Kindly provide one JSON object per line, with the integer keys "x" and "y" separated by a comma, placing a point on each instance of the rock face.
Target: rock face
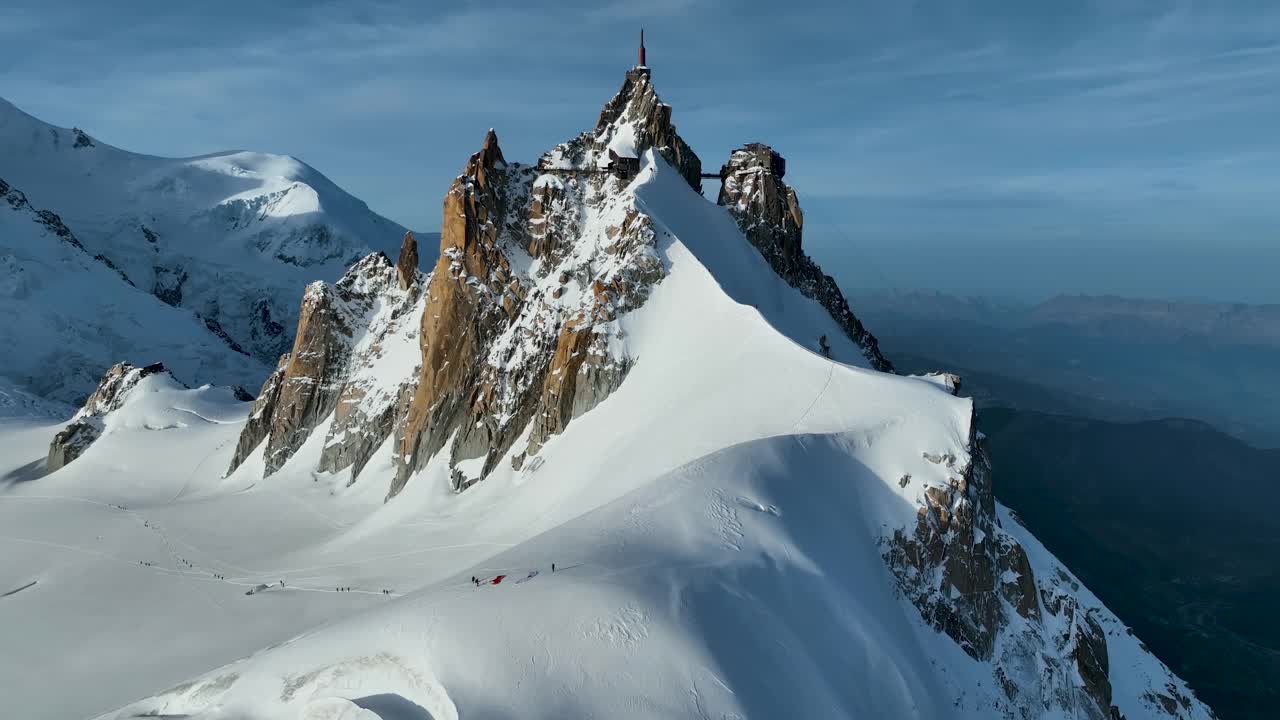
{"x": 346, "y": 334}
{"x": 71, "y": 442}
{"x": 971, "y": 579}
{"x": 636, "y": 119}
{"x": 768, "y": 212}
{"x": 471, "y": 298}
{"x": 512, "y": 327}
{"x": 534, "y": 268}
{"x": 87, "y": 425}
{"x": 407, "y": 265}
{"x": 258, "y": 427}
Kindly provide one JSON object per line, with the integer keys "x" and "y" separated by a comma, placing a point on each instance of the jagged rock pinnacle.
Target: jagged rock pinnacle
{"x": 407, "y": 263}
{"x": 490, "y": 153}
{"x": 637, "y": 110}
{"x": 768, "y": 212}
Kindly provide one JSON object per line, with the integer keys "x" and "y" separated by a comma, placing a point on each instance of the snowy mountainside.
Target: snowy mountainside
{"x": 65, "y": 316}
{"x": 661, "y": 444}
{"x": 357, "y": 341}
{"x": 520, "y": 334}
{"x": 233, "y": 237}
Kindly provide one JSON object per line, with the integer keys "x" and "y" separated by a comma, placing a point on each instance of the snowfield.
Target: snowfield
{"x": 716, "y": 525}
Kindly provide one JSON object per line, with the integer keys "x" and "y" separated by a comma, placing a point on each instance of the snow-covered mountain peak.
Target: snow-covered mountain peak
{"x": 537, "y": 267}
{"x": 232, "y": 237}
{"x": 660, "y": 395}
{"x": 67, "y": 314}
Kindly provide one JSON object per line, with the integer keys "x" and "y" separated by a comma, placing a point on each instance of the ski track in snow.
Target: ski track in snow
{"x": 831, "y": 369}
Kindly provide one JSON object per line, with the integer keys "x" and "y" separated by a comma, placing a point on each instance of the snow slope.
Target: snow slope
{"x": 717, "y": 525}
{"x": 232, "y": 237}
{"x": 65, "y": 317}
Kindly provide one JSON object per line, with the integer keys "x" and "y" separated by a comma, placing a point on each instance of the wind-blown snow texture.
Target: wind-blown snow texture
{"x": 230, "y": 238}
{"x": 726, "y": 526}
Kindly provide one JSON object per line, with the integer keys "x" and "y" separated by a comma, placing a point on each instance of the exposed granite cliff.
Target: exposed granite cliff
{"x": 972, "y": 580}
{"x": 332, "y": 371}
{"x": 535, "y": 264}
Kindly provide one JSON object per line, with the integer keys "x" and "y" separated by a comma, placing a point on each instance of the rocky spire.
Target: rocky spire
{"x": 638, "y": 119}
{"x": 340, "y": 329}
{"x": 407, "y": 264}
{"x": 768, "y": 212}
{"x": 470, "y": 298}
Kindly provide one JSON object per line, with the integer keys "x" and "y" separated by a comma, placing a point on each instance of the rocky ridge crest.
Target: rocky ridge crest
{"x": 344, "y": 365}
{"x": 87, "y": 424}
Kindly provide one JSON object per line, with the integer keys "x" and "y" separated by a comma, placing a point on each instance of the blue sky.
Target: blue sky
{"x": 1003, "y": 147}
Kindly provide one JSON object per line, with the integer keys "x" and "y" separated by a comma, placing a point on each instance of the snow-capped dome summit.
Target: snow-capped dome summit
{"x": 231, "y": 237}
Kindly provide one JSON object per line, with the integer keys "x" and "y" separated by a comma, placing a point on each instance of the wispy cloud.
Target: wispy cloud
{"x": 998, "y": 118}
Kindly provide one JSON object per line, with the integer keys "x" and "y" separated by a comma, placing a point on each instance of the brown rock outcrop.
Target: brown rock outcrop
{"x": 768, "y": 213}
{"x": 71, "y": 442}
{"x": 581, "y": 374}
{"x": 312, "y": 376}
{"x": 87, "y": 425}
{"x": 328, "y": 371}
{"x": 503, "y": 348}
{"x": 407, "y": 263}
{"x": 972, "y": 580}
{"x": 638, "y": 107}
{"x": 952, "y": 541}
{"x": 465, "y": 306}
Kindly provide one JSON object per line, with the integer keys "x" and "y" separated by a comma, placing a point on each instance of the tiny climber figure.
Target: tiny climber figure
{"x": 553, "y": 567}
{"x": 823, "y": 347}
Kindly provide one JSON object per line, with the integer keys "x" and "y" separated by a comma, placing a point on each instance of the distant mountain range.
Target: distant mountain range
{"x": 1137, "y": 320}
{"x": 1107, "y": 357}
{"x": 1237, "y": 324}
